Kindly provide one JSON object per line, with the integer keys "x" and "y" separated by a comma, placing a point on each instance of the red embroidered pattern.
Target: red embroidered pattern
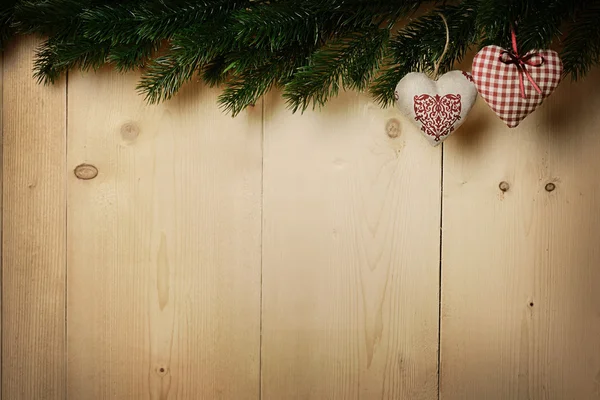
{"x": 437, "y": 114}
{"x": 468, "y": 76}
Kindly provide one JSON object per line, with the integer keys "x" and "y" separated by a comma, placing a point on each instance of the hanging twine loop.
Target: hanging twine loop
{"x": 521, "y": 62}
{"x": 439, "y": 61}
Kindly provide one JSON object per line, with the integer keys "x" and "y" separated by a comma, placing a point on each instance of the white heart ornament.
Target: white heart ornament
{"x": 437, "y": 108}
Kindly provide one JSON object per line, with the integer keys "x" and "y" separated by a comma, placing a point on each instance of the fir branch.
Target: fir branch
{"x": 275, "y": 25}
{"x": 48, "y": 17}
{"x": 495, "y": 19}
{"x": 582, "y": 45}
{"x": 165, "y": 76}
{"x": 151, "y": 21}
{"x": 66, "y": 48}
{"x": 541, "y": 24}
{"x": 127, "y": 57}
{"x": 58, "y": 55}
{"x": 349, "y": 62}
{"x": 312, "y": 22}
{"x": 383, "y": 13}
{"x": 6, "y": 20}
{"x": 246, "y": 88}
{"x": 190, "y": 51}
{"x": 384, "y": 84}
{"x": 215, "y": 71}
{"x": 312, "y": 48}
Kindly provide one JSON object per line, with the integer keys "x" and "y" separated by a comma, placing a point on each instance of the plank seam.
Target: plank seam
{"x": 439, "y": 354}
{"x": 262, "y": 205}
{"x": 66, "y": 194}
{"x": 2, "y": 225}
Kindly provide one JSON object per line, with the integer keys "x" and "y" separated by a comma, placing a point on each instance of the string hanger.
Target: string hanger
{"x": 521, "y": 62}
{"x": 439, "y": 61}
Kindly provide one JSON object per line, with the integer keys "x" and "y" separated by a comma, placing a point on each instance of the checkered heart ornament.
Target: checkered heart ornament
{"x": 514, "y": 85}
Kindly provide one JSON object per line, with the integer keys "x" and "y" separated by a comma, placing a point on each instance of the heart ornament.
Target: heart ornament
{"x": 439, "y": 107}
{"x": 512, "y": 85}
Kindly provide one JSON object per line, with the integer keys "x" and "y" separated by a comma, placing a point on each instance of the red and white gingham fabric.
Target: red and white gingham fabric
{"x": 498, "y": 83}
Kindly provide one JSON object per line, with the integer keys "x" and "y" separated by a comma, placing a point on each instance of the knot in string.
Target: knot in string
{"x": 521, "y": 62}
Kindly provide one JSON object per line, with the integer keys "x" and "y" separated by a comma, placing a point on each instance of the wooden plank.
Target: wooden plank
{"x": 1, "y": 188}
{"x": 521, "y": 305}
{"x": 163, "y": 245}
{"x": 33, "y": 227}
{"x": 350, "y": 254}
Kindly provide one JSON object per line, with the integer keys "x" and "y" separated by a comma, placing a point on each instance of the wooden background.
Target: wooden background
{"x": 334, "y": 255}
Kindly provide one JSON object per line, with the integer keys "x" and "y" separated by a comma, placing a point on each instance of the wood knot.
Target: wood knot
{"x": 550, "y": 187}
{"x": 162, "y": 371}
{"x": 86, "y": 172}
{"x": 392, "y": 128}
{"x": 504, "y": 186}
{"x": 130, "y": 131}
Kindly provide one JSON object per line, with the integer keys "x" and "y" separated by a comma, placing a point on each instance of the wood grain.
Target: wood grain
{"x": 521, "y": 276}
{"x": 1, "y": 187}
{"x": 350, "y": 254}
{"x": 33, "y": 230}
{"x": 163, "y": 245}
{"x": 152, "y": 215}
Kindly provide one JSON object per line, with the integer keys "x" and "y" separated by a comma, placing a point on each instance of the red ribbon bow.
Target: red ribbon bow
{"x": 521, "y": 62}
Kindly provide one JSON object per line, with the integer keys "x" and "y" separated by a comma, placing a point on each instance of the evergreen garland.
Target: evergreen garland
{"x": 309, "y": 48}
